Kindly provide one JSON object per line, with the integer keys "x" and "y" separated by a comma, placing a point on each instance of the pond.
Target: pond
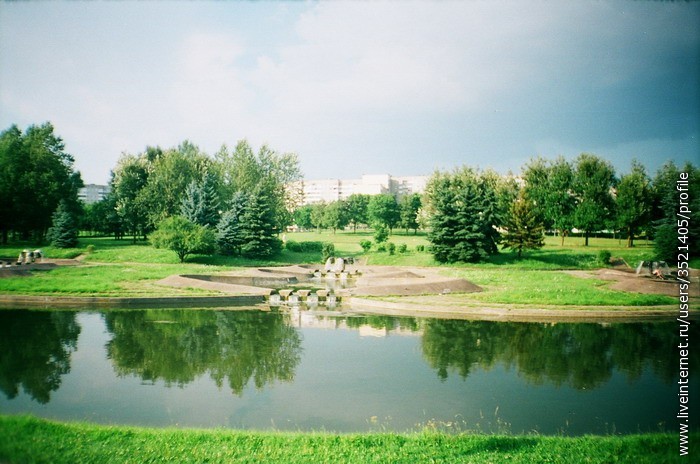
{"x": 297, "y": 370}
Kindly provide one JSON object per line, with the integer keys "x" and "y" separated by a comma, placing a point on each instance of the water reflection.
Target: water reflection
{"x": 177, "y": 346}
{"x": 236, "y": 348}
{"x": 579, "y": 355}
{"x": 35, "y": 350}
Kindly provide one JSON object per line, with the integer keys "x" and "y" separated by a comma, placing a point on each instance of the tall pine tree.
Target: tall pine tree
{"x": 464, "y": 216}
{"x": 229, "y": 235}
{"x": 524, "y": 230}
{"x": 64, "y": 230}
{"x": 259, "y": 225}
{"x": 201, "y": 202}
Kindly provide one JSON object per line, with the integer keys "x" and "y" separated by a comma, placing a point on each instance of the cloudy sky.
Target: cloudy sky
{"x": 359, "y": 87}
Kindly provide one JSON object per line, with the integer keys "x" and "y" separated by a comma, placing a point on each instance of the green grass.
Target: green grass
{"x": 550, "y": 288}
{"x": 27, "y": 439}
{"x": 123, "y": 268}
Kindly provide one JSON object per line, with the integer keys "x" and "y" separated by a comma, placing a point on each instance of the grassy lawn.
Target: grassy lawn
{"x": 123, "y": 268}
{"x": 26, "y": 439}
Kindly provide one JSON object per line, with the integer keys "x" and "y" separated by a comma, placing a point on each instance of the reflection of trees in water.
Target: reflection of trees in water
{"x": 177, "y": 346}
{"x": 35, "y": 350}
{"x": 383, "y": 322}
{"x": 580, "y": 355}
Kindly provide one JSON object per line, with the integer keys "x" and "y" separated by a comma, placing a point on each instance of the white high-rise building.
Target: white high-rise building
{"x": 92, "y": 193}
{"x": 329, "y": 190}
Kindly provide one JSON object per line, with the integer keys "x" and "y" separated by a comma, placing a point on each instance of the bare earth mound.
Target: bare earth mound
{"x": 390, "y": 281}
{"x": 628, "y": 281}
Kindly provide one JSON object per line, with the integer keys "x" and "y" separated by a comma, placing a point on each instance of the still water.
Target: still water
{"x": 303, "y": 371}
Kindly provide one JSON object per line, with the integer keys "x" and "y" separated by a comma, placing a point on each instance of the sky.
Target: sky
{"x": 358, "y": 87}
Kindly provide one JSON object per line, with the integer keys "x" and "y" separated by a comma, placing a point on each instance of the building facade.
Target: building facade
{"x": 329, "y": 190}
{"x": 92, "y": 193}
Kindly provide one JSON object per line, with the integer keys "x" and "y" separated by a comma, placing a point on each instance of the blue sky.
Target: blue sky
{"x": 359, "y": 87}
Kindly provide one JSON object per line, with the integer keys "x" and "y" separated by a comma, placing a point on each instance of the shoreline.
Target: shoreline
{"x": 358, "y": 306}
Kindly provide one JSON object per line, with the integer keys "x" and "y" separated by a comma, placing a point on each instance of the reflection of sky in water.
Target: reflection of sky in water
{"x": 353, "y": 379}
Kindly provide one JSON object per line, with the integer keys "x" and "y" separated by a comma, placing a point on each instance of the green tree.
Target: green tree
{"x": 278, "y": 173}
{"x": 184, "y": 237}
{"x": 666, "y": 201}
{"x": 36, "y": 174}
{"x": 381, "y": 233}
{"x": 318, "y": 216}
{"x": 129, "y": 180}
{"x": 335, "y": 215}
{"x": 64, "y": 230}
{"x": 409, "y": 208}
{"x": 201, "y": 202}
{"x": 259, "y": 226}
{"x": 383, "y": 209}
{"x": 169, "y": 175}
{"x": 594, "y": 179}
{"x": 524, "y": 229}
{"x": 302, "y": 217}
{"x": 357, "y": 204}
{"x": 633, "y": 202}
{"x": 463, "y": 216}
{"x": 549, "y": 186}
{"x": 229, "y": 235}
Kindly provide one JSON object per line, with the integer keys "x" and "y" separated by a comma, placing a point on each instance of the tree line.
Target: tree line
{"x": 239, "y": 200}
{"x": 471, "y": 212}
{"x": 36, "y": 176}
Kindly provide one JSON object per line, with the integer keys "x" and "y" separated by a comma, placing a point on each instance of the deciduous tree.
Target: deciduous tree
{"x": 594, "y": 179}
{"x": 184, "y": 237}
{"x": 633, "y": 202}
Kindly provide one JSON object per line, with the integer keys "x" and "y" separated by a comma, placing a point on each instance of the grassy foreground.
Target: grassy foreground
{"x": 27, "y": 439}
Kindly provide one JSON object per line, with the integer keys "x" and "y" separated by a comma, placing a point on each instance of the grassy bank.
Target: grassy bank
{"x": 27, "y": 439}
{"x": 122, "y": 268}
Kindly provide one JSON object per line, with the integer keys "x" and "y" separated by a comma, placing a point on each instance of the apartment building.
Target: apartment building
{"x": 328, "y": 190}
{"x": 92, "y": 193}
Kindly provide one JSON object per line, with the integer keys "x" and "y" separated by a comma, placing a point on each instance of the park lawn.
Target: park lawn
{"x": 541, "y": 288}
{"x": 124, "y": 268}
{"x": 28, "y": 439}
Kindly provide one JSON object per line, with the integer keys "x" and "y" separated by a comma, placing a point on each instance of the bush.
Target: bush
{"x": 184, "y": 237}
{"x": 381, "y": 234}
{"x": 366, "y": 245}
{"x": 328, "y": 251}
{"x": 420, "y": 248}
{"x": 403, "y": 248}
{"x": 294, "y": 247}
{"x": 381, "y": 248}
{"x": 604, "y": 257}
{"x": 304, "y": 247}
{"x": 392, "y": 248}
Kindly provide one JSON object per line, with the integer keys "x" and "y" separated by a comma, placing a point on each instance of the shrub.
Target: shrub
{"x": 420, "y": 248}
{"x": 366, "y": 245}
{"x": 184, "y": 237}
{"x": 294, "y": 247}
{"x": 328, "y": 251}
{"x": 392, "y": 248}
{"x": 604, "y": 257}
{"x": 403, "y": 248}
{"x": 311, "y": 247}
{"x": 381, "y": 234}
{"x": 304, "y": 247}
{"x": 381, "y": 248}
